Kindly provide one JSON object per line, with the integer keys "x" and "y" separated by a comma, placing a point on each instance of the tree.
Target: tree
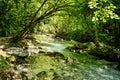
{"x": 47, "y": 9}
{"x": 103, "y": 12}
{"x": 13, "y": 14}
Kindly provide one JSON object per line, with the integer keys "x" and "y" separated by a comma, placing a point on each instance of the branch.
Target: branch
{"x": 38, "y": 10}
{"x": 54, "y": 10}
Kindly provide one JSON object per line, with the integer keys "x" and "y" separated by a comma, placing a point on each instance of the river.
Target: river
{"x": 70, "y": 66}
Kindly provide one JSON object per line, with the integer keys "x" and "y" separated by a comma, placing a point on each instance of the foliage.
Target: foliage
{"x": 4, "y": 64}
{"x": 6, "y": 67}
{"x": 69, "y": 19}
{"x": 48, "y": 9}
{"x": 71, "y": 27}
{"x": 103, "y": 10}
{"x": 14, "y": 14}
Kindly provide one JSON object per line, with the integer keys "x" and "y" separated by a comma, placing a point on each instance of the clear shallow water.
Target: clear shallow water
{"x": 52, "y": 45}
{"x": 81, "y": 66}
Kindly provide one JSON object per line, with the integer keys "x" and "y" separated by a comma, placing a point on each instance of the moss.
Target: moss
{"x": 108, "y": 53}
{"x": 42, "y": 63}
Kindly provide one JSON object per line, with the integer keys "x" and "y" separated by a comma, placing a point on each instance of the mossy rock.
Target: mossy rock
{"x": 17, "y": 51}
{"x": 108, "y": 53}
{"x": 77, "y": 47}
{"x": 41, "y": 63}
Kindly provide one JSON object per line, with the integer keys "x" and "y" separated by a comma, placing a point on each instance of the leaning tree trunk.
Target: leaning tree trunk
{"x": 23, "y": 33}
{"x": 32, "y": 23}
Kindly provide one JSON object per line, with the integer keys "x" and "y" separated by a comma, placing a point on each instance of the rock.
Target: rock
{"x": 107, "y": 52}
{"x": 70, "y": 60}
{"x": 17, "y": 51}
{"x": 32, "y": 49}
{"x": 83, "y": 45}
{"x": 36, "y": 42}
{"x": 3, "y": 53}
{"x": 42, "y": 51}
{"x": 40, "y": 47}
{"x": 53, "y": 54}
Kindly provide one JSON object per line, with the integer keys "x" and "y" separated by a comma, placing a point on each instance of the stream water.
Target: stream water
{"x": 74, "y": 66}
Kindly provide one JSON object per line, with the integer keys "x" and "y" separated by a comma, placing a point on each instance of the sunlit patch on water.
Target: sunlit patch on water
{"x": 54, "y": 46}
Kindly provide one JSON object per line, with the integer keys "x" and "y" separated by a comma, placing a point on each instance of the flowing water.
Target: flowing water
{"x": 74, "y": 66}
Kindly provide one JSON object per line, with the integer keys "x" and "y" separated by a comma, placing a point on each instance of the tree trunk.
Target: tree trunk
{"x": 24, "y": 32}
{"x": 32, "y": 23}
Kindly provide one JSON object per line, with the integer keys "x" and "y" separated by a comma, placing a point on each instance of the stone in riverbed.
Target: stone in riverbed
{"x": 17, "y": 51}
